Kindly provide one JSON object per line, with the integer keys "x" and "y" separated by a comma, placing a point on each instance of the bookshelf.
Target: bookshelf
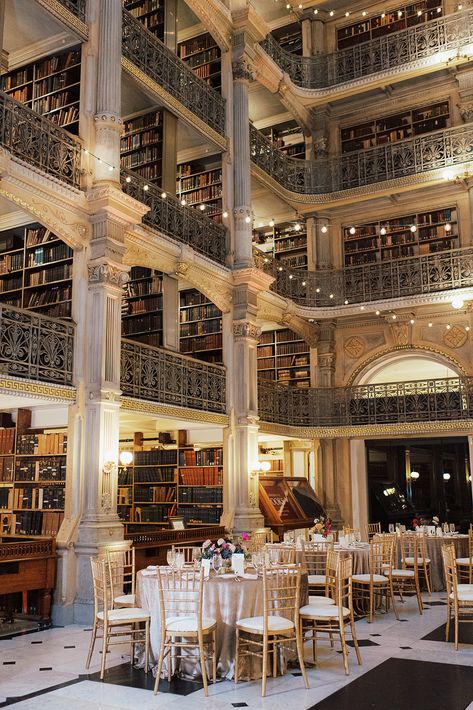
{"x": 36, "y": 271}
{"x": 141, "y": 145}
{"x": 49, "y": 86}
{"x": 150, "y": 13}
{"x": 396, "y": 127}
{"x": 200, "y": 327}
{"x": 284, "y": 357}
{"x": 289, "y": 37}
{"x": 285, "y": 243}
{"x": 142, "y": 306}
{"x": 176, "y": 480}
{"x": 399, "y": 18}
{"x": 384, "y": 240}
{"x": 32, "y": 477}
{"x": 202, "y": 54}
{"x": 199, "y": 184}
{"x": 288, "y": 137}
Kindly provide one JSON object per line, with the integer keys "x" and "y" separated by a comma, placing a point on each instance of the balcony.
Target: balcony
{"x": 166, "y": 377}
{"x": 426, "y": 44}
{"x": 184, "y": 224}
{"x": 39, "y": 142}
{"x": 408, "y": 276}
{"x": 155, "y": 60}
{"x": 35, "y": 347}
{"x": 432, "y": 151}
{"x": 364, "y": 405}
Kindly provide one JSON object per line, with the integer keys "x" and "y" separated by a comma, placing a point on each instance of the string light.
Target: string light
{"x": 247, "y": 219}
{"x": 346, "y": 302}
{"x": 331, "y": 13}
{"x": 383, "y": 231}
{"x": 448, "y": 326}
{"x": 377, "y": 313}
{"x": 412, "y": 321}
{"x": 225, "y": 215}
{"x": 413, "y": 228}
{"x": 394, "y": 316}
{"x": 316, "y": 11}
{"x": 163, "y": 195}
{"x": 430, "y": 325}
{"x": 448, "y": 227}
{"x": 128, "y": 178}
{"x": 362, "y": 308}
{"x": 183, "y": 202}
{"x": 352, "y": 230}
{"x": 297, "y": 227}
{"x": 146, "y": 188}
{"x": 271, "y": 222}
{"x": 324, "y": 229}
{"x": 467, "y": 328}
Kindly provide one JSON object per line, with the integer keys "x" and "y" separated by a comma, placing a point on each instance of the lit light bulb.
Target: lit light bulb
{"x": 413, "y": 228}
{"x": 163, "y": 195}
{"x": 419, "y": 13}
{"x": 364, "y": 13}
{"x": 377, "y": 313}
{"x": 225, "y": 215}
{"x": 467, "y": 328}
{"x": 291, "y": 277}
{"x": 316, "y": 11}
{"x": 280, "y": 268}
{"x": 457, "y": 302}
{"x": 448, "y": 326}
{"x": 183, "y": 202}
{"x": 247, "y": 219}
{"x": 383, "y": 231}
{"x": 331, "y": 295}
{"x": 415, "y": 475}
{"x": 126, "y": 457}
{"x": 303, "y": 283}
{"x": 271, "y": 222}
{"x": 362, "y": 308}
{"x": 288, "y": 7}
{"x": 201, "y": 208}
{"x": 439, "y": 9}
{"x": 317, "y": 290}
{"x": 346, "y": 302}
{"x": 412, "y": 321}
{"x": 448, "y": 227}
{"x": 111, "y": 168}
{"x": 448, "y": 175}
{"x": 347, "y": 14}
{"x": 297, "y": 227}
{"x": 430, "y": 325}
{"x": 446, "y": 476}
{"x": 383, "y": 15}
{"x": 324, "y": 229}
{"x": 352, "y": 230}
{"x": 394, "y": 316}
{"x": 146, "y": 188}
{"x": 331, "y": 13}
{"x": 128, "y": 179}
{"x": 399, "y": 13}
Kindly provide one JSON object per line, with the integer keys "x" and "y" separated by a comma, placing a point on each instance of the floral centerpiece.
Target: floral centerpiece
{"x": 322, "y": 526}
{"x": 415, "y": 524}
{"x": 223, "y": 547}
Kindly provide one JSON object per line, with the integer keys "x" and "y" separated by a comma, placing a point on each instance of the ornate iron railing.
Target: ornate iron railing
{"x": 438, "y": 37}
{"x": 150, "y": 55}
{"x": 162, "y": 376}
{"x": 407, "y": 276}
{"x": 77, "y": 7}
{"x": 432, "y": 151}
{"x": 184, "y": 224}
{"x": 39, "y": 142}
{"x": 35, "y": 347}
{"x": 361, "y": 405}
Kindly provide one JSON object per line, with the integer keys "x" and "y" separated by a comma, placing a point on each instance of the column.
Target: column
{"x": 318, "y": 37}
{"x": 2, "y": 28}
{"x": 326, "y": 354}
{"x": 359, "y": 483}
{"x": 170, "y": 313}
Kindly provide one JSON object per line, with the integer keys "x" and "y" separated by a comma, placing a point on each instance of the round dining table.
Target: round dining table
{"x": 227, "y": 598}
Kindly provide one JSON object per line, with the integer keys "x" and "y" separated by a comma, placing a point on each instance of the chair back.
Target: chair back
{"x": 412, "y": 546}
{"x": 339, "y": 579}
{"x": 180, "y": 593}
{"x": 314, "y": 556}
{"x": 281, "y": 589}
{"x": 258, "y": 539}
{"x": 373, "y": 529}
{"x": 347, "y": 530}
{"x": 450, "y": 570}
{"x": 281, "y": 553}
{"x": 101, "y": 585}
{"x": 470, "y": 543}
{"x": 188, "y": 552}
{"x": 121, "y": 570}
{"x": 377, "y": 557}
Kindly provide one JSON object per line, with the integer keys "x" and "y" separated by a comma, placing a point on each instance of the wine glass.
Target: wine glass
{"x": 196, "y": 557}
{"x": 217, "y": 562}
{"x": 180, "y": 561}
{"x": 445, "y": 528}
{"x": 171, "y": 557}
{"x": 452, "y": 527}
{"x": 392, "y": 528}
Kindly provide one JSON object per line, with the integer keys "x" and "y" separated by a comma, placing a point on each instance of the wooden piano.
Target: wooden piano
{"x": 288, "y": 503}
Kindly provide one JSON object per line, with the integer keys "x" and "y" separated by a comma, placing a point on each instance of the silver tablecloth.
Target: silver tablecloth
{"x": 226, "y": 600}
{"x": 434, "y": 552}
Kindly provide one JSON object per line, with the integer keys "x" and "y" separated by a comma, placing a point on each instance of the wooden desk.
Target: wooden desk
{"x": 151, "y": 548}
{"x": 28, "y": 565}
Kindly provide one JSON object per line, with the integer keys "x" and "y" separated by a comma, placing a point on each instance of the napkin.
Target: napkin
{"x": 151, "y": 567}
{"x": 250, "y": 575}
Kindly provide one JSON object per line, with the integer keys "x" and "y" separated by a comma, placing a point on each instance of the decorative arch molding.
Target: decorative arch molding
{"x": 441, "y": 355}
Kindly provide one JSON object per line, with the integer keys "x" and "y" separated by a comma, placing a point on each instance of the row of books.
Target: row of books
{"x": 295, "y": 262}
{"x": 11, "y": 262}
{"x": 211, "y": 476}
{"x": 124, "y": 495}
{"x": 204, "y": 457}
{"x": 141, "y": 306}
{"x": 138, "y": 140}
{"x": 203, "y": 61}
{"x": 22, "y": 95}
{"x": 143, "y": 155}
{"x": 198, "y": 44}
{"x": 193, "y": 182}
{"x": 153, "y": 514}
{"x": 144, "y": 288}
{"x": 58, "y": 62}
{"x": 46, "y": 276}
{"x": 12, "y": 284}
{"x": 38, "y": 235}
{"x": 198, "y": 313}
{"x": 46, "y": 254}
{"x": 148, "y": 121}
{"x": 33, "y": 523}
{"x": 212, "y": 192}
{"x": 156, "y": 456}
{"x": 56, "y": 82}
{"x": 65, "y": 116}
{"x": 201, "y": 327}
{"x": 42, "y": 444}
{"x": 290, "y": 243}
{"x": 17, "y": 78}
{"x": 155, "y": 474}
{"x": 144, "y": 323}
{"x": 125, "y": 476}
{"x": 53, "y": 295}
{"x": 192, "y": 298}
{"x": 154, "y": 23}
{"x": 52, "y": 497}
{"x": 202, "y": 515}
{"x": 205, "y": 342}
{"x": 58, "y": 310}
{"x": 200, "y": 495}
{"x": 292, "y": 348}
{"x": 52, "y": 468}
{"x": 55, "y": 101}
{"x": 6, "y": 468}
{"x": 7, "y": 440}
{"x": 155, "y": 494}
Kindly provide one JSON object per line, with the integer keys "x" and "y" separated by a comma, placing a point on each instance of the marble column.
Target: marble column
{"x": 326, "y": 354}
{"x": 241, "y": 165}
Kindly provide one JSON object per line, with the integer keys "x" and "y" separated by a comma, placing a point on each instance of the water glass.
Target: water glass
{"x": 179, "y": 560}
{"x": 445, "y": 528}
{"x": 452, "y": 527}
{"x": 217, "y": 562}
{"x": 196, "y": 557}
{"x": 171, "y": 558}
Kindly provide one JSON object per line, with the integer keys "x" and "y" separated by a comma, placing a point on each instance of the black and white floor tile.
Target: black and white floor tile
{"x": 404, "y": 665}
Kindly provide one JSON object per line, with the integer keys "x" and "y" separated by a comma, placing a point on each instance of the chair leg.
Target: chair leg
{"x": 300, "y": 655}
{"x": 275, "y": 658}
{"x": 456, "y": 629}
{"x": 265, "y": 665}
{"x": 427, "y": 578}
{"x": 146, "y": 646}
{"x": 344, "y": 647}
{"x": 237, "y": 649}
{"x": 92, "y": 644}
{"x": 447, "y": 626}
{"x": 160, "y": 664}
{"x": 214, "y": 656}
{"x": 355, "y": 640}
{"x": 203, "y": 664}
{"x": 371, "y": 611}
{"x": 170, "y": 659}
{"x": 391, "y": 594}
{"x": 104, "y": 651}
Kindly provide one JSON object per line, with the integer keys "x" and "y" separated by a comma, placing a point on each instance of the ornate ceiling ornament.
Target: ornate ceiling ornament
{"x": 455, "y": 337}
{"x": 354, "y": 347}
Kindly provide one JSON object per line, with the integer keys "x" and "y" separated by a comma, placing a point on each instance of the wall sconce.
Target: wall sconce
{"x": 415, "y": 475}
{"x": 446, "y": 476}
{"x": 261, "y": 467}
{"x": 108, "y": 466}
{"x": 126, "y": 458}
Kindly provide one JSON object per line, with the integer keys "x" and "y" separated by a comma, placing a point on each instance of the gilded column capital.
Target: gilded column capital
{"x": 108, "y": 274}
{"x": 245, "y": 329}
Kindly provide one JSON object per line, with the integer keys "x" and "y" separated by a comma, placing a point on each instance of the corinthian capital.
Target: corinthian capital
{"x": 242, "y": 70}
{"x": 246, "y": 329}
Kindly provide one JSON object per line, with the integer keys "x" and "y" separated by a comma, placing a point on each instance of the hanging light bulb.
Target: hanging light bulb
{"x": 316, "y": 11}
{"x": 291, "y": 277}
{"x": 346, "y": 301}
{"x": 446, "y": 476}
{"x": 331, "y": 13}
{"x": 324, "y": 229}
{"x": 303, "y": 283}
{"x": 377, "y": 313}
{"x": 247, "y": 219}
{"x": 202, "y": 207}
{"x": 128, "y": 178}
{"x": 271, "y": 222}
{"x": 383, "y": 231}
{"x": 352, "y": 230}
{"x": 430, "y": 325}
{"x": 415, "y": 475}
{"x": 412, "y": 321}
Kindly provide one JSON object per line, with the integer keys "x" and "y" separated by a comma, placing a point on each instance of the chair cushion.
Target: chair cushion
{"x": 420, "y": 560}
{"x": 463, "y": 596}
{"x": 126, "y": 615}
{"x": 322, "y": 612}
{"x": 320, "y": 601}
{"x": 255, "y": 624}
{"x": 365, "y": 578}
{"x": 403, "y": 573}
{"x": 125, "y": 600}
{"x": 465, "y": 587}
{"x": 188, "y": 624}
{"x": 464, "y": 561}
{"x": 316, "y": 579}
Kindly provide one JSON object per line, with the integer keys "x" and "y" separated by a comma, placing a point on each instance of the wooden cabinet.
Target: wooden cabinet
{"x": 288, "y": 503}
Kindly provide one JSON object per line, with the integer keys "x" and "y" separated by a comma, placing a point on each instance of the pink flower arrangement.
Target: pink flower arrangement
{"x": 224, "y": 547}
{"x": 322, "y": 526}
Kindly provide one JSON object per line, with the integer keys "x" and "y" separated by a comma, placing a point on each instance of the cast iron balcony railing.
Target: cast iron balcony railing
{"x": 407, "y": 276}
{"x": 362, "y": 405}
{"x": 166, "y": 377}
{"x": 77, "y": 7}
{"x": 422, "y": 43}
{"x": 431, "y": 151}
{"x": 39, "y": 142}
{"x": 184, "y": 224}
{"x": 150, "y": 55}
{"x": 35, "y": 347}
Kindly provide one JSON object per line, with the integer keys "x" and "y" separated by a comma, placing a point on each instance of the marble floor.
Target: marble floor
{"x": 406, "y": 663}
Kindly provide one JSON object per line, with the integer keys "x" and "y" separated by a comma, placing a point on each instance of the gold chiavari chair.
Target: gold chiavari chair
{"x": 406, "y": 579}
{"x": 423, "y": 561}
{"x": 373, "y": 529}
{"x": 267, "y": 635}
{"x": 333, "y": 620}
{"x": 281, "y": 553}
{"x": 459, "y": 596}
{"x": 258, "y": 539}
{"x": 377, "y": 584}
{"x": 183, "y": 625}
{"x": 188, "y": 551}
{"x": 114, "y": 623}
{"x": 314, "y": 558}
{"x": 347, "y": 530}
{"x": 121, "y": 568}
{"x": 465, "y": 564}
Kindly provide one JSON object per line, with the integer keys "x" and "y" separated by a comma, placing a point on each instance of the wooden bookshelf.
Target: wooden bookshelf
{"x": 141, "y": 145}
{"x": 200, "y": 327}
{"x": 32, "y": 477}
{"x": 289, "y": 37}
{"x": 176, "y": 480}
{"x": 50, "y": 87}
{"x": 202, "y": 54}
{"x": 288, "y": 137}
{"x": 199, "y": 184}
{"x": 142, "y": 306}
{"x": 150, "y": 13}
{"x": 36, "y": 271}
{"x": 384, "y": 240}
{"x": 284, "y": 357}
{"x": 394, "y": 20}
{"x": 396, "y": 127}
{"x": 285, "y": 243}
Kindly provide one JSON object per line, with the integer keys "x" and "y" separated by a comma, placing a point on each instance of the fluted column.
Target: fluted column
{"x": 108, "y": 121}
{"x": 241, "y": 163}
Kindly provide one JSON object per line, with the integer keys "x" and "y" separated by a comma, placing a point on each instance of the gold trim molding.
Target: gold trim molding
{"x": 31, "y": 388}
{"x": 142, "y": 406}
